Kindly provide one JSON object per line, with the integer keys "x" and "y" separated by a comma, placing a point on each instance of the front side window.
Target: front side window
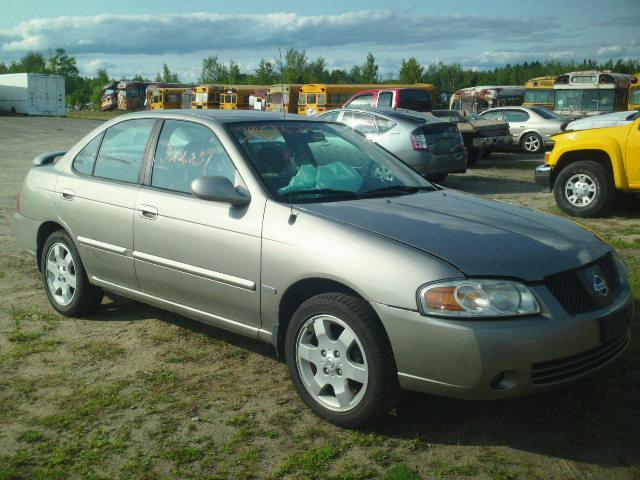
{"x": 314, "y": 162}
{"x": 385, "y": 99}
{"x": 495, "y": 115}
{"x": 122, "y": 150}
{"x": 86, "y": 158}
{"x": 187, "y": 151}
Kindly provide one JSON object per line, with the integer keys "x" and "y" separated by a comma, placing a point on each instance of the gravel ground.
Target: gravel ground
{"x": 135, "y": 392}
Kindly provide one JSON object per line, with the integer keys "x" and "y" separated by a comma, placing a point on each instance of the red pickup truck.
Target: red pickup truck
{"x": 411, "y": 98}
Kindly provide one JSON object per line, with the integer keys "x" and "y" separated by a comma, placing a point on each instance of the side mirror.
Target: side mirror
{"x": 219, "y": 189}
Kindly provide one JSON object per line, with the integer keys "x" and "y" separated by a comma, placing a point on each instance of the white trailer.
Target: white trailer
{"x": 32, "y": 93}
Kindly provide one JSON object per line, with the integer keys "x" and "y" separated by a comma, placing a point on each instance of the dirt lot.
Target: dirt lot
{"x": 135, "y": 392}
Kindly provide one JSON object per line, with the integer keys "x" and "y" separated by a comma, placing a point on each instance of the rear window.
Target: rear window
{"x": 415, "y": 99}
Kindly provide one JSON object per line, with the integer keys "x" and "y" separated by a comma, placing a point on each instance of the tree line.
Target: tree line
{"x": 297, "y": 67}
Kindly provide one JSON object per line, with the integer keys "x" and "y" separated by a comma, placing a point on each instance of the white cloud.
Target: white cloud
{"x": 178, "y": 33}
{"x": 612, "y": 50}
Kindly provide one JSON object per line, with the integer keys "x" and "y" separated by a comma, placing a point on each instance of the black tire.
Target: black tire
{"x": 382, "y": 391}
{"x": 473, "y": 155}
{"x": 531, "y": 142}
{"x": 438, "y": 178}
{"x": 87, "y": 297}
{"x": 597, "y": 175}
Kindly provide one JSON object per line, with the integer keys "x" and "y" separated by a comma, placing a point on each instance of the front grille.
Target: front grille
{"x": 572, "y": 293}
{"x": 579, "y": 364}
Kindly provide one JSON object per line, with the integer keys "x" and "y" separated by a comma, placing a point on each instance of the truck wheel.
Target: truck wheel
{"x": 584, "y": 189}
{"x": 65, "y": 279}
{"x": 532, "y": 143}
{"x": 473, "y": 155}
{"x": 340, "y": 360}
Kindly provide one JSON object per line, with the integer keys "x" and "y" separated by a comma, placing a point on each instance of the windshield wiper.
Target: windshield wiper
{"x": 322, "y": 191}
{"x": 399, "y": 189}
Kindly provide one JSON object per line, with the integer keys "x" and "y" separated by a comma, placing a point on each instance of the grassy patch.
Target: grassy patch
{"x": 400, "y": 472}
{"x": 311, "y": 463}
{"x": 183, "y": 455}
{"x": 97, "y": 350}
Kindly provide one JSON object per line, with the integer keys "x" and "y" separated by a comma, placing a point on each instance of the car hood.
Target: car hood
{"x": 480, "y": 237}
{"x": 603, "y": 121}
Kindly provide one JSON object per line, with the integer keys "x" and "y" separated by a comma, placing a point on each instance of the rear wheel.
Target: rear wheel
{"x": 584, "y": 189}
{"x": 340, "y": 360}
{"x": 65, "y": 279}
{"x": 532, "y": 143}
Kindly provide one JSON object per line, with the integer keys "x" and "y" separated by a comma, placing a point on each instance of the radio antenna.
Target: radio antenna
{"x": 292, "y": 216}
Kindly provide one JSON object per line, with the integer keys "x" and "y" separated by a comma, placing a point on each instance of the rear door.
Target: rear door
{"x": 96, "y": 199}
{"x": 517, "y": 120}
{"x": 196, "y": 253}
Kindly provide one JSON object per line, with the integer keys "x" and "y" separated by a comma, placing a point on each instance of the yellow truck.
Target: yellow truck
{"x": 587, "y": 167}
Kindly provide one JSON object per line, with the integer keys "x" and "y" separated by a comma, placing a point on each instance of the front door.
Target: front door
{"x": 96, "y": 199}
{"x": 517, "y": 120}
{"x": 201, "y": 254}
{"x": 632, "y": 157}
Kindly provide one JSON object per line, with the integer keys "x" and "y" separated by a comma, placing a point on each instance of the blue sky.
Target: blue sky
{"x": 131, "y": 37}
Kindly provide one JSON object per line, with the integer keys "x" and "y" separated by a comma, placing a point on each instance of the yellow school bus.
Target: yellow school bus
{"x": 165, "y": 98}
{"x": 316, "y": 98}
{"x": 634, "y": 93}
{"x": 582, "y": 94}
{"x": 206, "y": 96}
{"x": 235, "y": 97}
{"x": 539, "y": 92}
{"x": 283, "y": 97}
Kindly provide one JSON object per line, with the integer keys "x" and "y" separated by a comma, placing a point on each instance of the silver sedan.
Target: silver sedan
{"x": 301, "y": 233}
{"x": 531, "y": 127}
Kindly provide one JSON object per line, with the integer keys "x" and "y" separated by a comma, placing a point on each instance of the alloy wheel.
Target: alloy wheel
{"x": 531, "y": 143}
{"x": 331, "y": 363}
{"x": 580, "y": 190}
{"x": 61, "y": 274}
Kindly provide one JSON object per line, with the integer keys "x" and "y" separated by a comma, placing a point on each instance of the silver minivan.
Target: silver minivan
{"x": 301, "y": 233}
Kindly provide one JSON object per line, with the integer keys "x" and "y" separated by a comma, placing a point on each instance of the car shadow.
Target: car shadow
{"x": 595, "y": 421}
{"x": 116, "y": 308}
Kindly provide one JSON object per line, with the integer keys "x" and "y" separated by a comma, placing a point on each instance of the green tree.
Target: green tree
{"x": 370, "y": 70}
{"x": 316, "y": 71}
{"x": 265, "y": 74}
{"x": 235, "y": 76}
{"x": 295, "y": 66}
{"x": 410, "y": 70}
{"x": 97, "y": 84}
{"x": 213, "y": 71}
{"x": 166, "y": 76}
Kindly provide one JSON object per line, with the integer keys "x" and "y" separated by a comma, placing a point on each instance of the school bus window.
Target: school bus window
{"x": 311, "y": 98}
{"x": 302, "y": 99}
{"x": 322, "y": 99}
{"x": 635, "y": 96}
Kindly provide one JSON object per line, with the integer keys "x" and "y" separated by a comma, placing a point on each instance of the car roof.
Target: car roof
{"x": 396, "y": 113}
{"x": 223, "y": 116}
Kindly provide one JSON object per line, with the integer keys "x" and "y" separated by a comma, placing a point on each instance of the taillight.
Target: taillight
{"x": 418, "y": 140}
{"x": 19, "y": 201}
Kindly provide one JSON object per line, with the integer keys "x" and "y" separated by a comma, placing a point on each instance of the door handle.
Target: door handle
{"x": 148, "y": 212}
{"x": 68, "y": 194}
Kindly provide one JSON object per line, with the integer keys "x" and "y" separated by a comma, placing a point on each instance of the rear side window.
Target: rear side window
{"x": 363, "y": 100}
{"x": 187, "y": 151}
{"x": 385, "y": 99}
{"x": 384, "y": 124}
{"x": 332, "y": 115}
{"x": 86, "y": 159}
{"x": 515, "y": 116}
{"x": 122, "y": 150}
{"x": 361, "y": 122}
{"x": 415, "y": 99}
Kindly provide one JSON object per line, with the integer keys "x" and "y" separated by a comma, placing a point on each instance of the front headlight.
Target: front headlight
{"x": 473, "y": 298}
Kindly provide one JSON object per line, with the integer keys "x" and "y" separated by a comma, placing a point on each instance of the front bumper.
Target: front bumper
{"x": 484, "y": 142}
{"x": 493, "y": 359}
{"x": 543, "y": 175}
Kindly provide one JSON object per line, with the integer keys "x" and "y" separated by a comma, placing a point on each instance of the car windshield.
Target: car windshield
{"x": 315, "y": 162}
{"x": 546, "y": 113}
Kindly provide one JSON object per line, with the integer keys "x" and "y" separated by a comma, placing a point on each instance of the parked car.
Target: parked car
{"x": 432, "y": 147}
{"x": 604, "y": 120}
{"x": 531, "y": 127}
{"x": 587, "y": 167}
{"x": 302, "y": 233}
{"x": 411, "y": 98}
{"x": 480, "y": 135}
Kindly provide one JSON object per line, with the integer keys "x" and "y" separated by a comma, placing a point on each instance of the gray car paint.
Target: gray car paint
{"x": 535, "y": 124}
{"x": 382, "y": 249}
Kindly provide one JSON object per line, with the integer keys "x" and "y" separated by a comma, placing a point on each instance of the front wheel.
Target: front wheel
{"x": 532, "y": 143}
{"x": 65, "y": 279}
{"x": 584, "y": 189}
{"x": 340, "y": 360}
